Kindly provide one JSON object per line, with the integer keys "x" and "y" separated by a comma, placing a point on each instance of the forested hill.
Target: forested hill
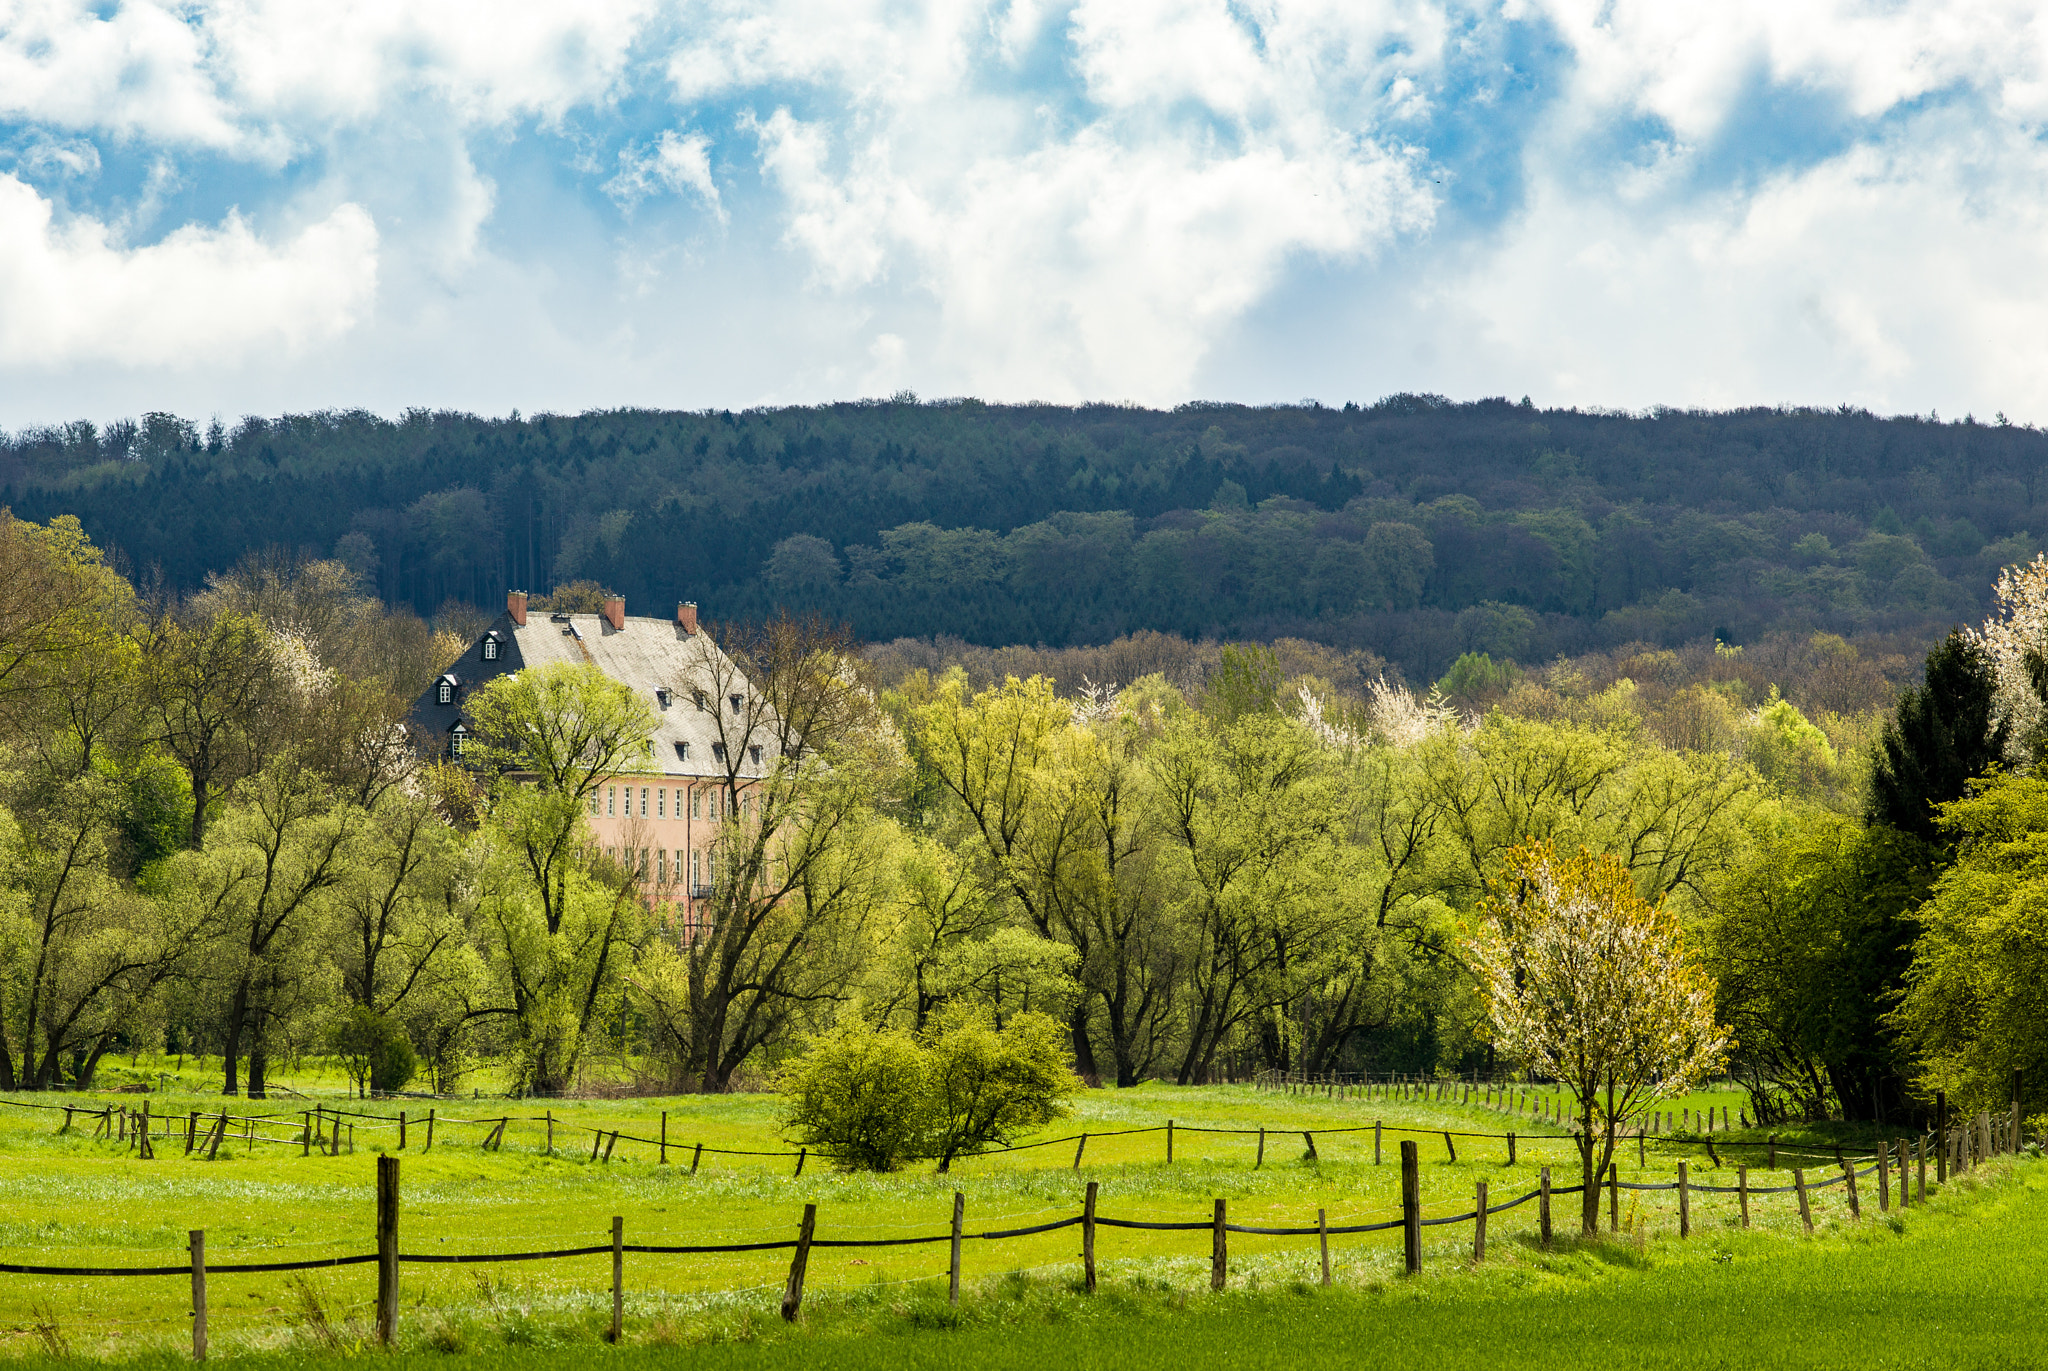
{"x": 1415, "y": 527}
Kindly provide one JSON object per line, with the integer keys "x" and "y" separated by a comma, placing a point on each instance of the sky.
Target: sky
{"x": 257, "y": 207}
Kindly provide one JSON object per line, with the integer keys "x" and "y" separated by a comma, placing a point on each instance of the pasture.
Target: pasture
{"x": 75, "y": 1200}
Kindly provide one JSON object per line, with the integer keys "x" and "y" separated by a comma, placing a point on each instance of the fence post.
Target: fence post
{"x": 1614, "y": 1197}
{"x": 1684, "y": 1203}
{"x": 1411, "y": 1207}
{"x": 1451, "y": 1147}
{"x": 1256, "y": 1164}
{"x": 1920, "y": 1169}
{"x": 1884, "y": 1176}
{"x": 664, "y": 1138}
{"x": 1323, "y": 1237}
{"x": 1799, "y": 1184}
{"x": 387, "y": 1250}
{"x": 401, "y": 1130}
{"x": 1375, "y": 1142}
{"x": 1849, "y": 1182}
{"x": 550, "y": 1116}
{"x": 198, "y": 1239}
{"x": 1310, "y": 1139}
{"x": 618, "y": 1277}
{"x": 1169, "y": 1142}
{"x": 953, "y": 1268}
{"x": 1087, "y": 1238}
{"x": 1219, "y": 1250}
{"x": 1479, "y": 1223}
{"x": 1742, "y": 1190}
{"x": 801, "y": 1153}
{"x": 596, "y": 1141}
{"x": 1079, "y": 1148}
{"x": 793, "y": 1293}
{"x": 430, "y": 1132}
{"x": 1941, "y": 1132}
{"x": 695, "y": 1157}
{"x": 1543, "y": 1204}
{"x": 1511, "y": 1149}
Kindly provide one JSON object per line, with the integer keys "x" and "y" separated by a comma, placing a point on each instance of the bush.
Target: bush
{"x": 378, "y": 1056}
{"x": 874, "y": 1099}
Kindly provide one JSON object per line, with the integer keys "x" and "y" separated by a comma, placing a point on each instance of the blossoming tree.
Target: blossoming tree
{"x": 1588, "y": 983}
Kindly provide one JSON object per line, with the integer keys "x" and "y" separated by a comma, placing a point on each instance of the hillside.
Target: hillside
{"x": 1415, "y": 528}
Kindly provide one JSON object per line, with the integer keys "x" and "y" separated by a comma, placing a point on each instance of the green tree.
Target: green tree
{"x": 374, "y": 1050}
{"x": 1943, "y": 735}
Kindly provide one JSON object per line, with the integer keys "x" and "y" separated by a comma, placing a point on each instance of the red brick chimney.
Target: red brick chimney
{"x": 515, "y": 605}
{"x": 615, "y": 611}
{"x": 686, "y": 616}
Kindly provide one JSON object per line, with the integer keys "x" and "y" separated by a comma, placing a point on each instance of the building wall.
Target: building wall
{"x": 670, "y": 824}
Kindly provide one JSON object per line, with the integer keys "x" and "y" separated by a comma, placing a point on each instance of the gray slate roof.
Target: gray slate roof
{"x": 646, "y": 655}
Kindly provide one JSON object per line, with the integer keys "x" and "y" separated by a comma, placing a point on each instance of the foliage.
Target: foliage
{"x": 373, "y": 1049}
{"x": 1975, "y": 998}
{"x": 1587, "y": 983}
{"x": 874, "y": 1099}
{"x": 1946, "y": 733}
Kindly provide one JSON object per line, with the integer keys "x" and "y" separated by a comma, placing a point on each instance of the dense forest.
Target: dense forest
{"x": 1415, "y": 528}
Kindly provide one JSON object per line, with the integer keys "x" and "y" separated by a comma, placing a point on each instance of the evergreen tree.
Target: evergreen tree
{"x": 1942, "y": 736}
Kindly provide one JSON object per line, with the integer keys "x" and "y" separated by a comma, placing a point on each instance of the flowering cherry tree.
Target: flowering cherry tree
{"x": 1588, "y": 983}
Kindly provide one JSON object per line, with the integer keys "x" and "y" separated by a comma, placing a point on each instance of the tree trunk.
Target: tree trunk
{"x": 231, "y": 1048}
{"x": 259, "y": 1069}
{"x": 1084, "y": 1050}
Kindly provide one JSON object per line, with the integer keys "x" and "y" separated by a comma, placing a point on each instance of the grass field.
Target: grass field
{"x": 74, "y": 1201}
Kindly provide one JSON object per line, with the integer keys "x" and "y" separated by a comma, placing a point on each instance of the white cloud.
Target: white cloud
{"x": 200, "y": 298}
{"x": 676, "y": 162}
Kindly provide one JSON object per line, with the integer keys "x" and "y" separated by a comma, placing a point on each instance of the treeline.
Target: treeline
{"x": 216, "y": 836}
{"x": 1413, "y": 528}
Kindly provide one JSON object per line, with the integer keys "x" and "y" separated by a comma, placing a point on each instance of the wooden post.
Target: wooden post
{"x": 1884, "y": 1176}
{"x": 1219, "y": 1250}
{"x": 220, "y": 1130}
{"x": 1310, "y": 1139}
{"x": 1081, "y": 1146}
{"x": 1920, "y": 1168}
{"x": 1684, "y": 1203}
{"x": 1712, "y": 1155}
{"x": 1323, "y": 1236}
{"x": 1411, "y": 1207}
{"x": 1799, "y": 1184}
{"x": 953, "y": 1267}
{"x": 1260, "y": 1160}
{"x": 1941, "y": 1132}
{"x": 696, "y": 1156}
{"x": 305, "y": 1132}
{"x": 1087, "y": 1238}
{"x": 401, "y": 1130}
{"x": 192, "y": 1132}
{"x": 1479, "y": 1223}
{"x": 1742, "y": 1191}
{"x": 1375, "y": 1142}
{"x": 198, "y": 1239}
{"x": 387, "y": 1250}
{"x": 1614, "y": 1197}
{"x": 551, "y": 1130}
{"x": 1849, "y": 1183}
{"x": 596, "y": 1141}
{"x": 430, "y": 1132}
{"x": 618, "y": 1277}
{"x": 1451, "y": 1147}
{"x": 1511, "y": 1149}
{"x": 793, "y": 1293}
{"x": 1543, "y": 1205}
{"x": 615, "y": 1142}
{"x": 1642, "y": 1160}
{"x": 801, "y": 1153}
{"x": 1169, "y": 1142}
{"x": 663, "y": 1159}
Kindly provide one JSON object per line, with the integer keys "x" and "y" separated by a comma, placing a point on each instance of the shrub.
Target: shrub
{"x": 874, "y": 1099}
{"x": 378, "y": 1056}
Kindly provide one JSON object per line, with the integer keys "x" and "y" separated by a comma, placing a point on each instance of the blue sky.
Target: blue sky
{"x": 250, "y": 207}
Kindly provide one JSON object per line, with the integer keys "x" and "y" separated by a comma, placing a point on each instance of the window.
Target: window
{"x": 661, "y": 866}
{"x": 593, "y": 804}
{"x": 718, "y": 752}
{"x": 736, "y": 699}
{"x": 700, "y": 701}
{"x": 611, "y": 854}
{"x": 661, "y": 696}
{"x": 643, "y": 861}
{"x": 661, "y": 804}
{"x": 757, "y": 755}
{"x": 457, "y": 736}
{"x": 643, "y": 801}
{"x": 611, "y": 801}
{"x": 445, "y": 693}
{"x": 490, "y": 649}
{"x": 696, "y": 803}
{"x": 682, "y": 752}
{"x": 697, "y": 870}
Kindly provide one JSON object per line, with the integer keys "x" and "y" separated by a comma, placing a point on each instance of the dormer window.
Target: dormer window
{"x": 444, "y": 691}
{"x": 490, "y": 647}
{"x": 736, "y": 699}
{"x": 661, "y": 696}
{"x": 700, "y": 702}
{"x": 458, "y": 737}
{"x": 757, "y": 755}
{"x": 682, "y": 752}
{"x": 718, "y": 752}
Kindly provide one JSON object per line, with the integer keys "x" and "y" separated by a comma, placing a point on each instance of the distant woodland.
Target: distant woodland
{"x": 1415, "y": 530}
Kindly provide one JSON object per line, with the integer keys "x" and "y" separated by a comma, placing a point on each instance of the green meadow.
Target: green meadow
{"x": 71, "y": 1199}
